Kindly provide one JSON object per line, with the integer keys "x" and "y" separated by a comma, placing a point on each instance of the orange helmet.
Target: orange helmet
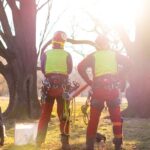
{"x": 59, "y": 37}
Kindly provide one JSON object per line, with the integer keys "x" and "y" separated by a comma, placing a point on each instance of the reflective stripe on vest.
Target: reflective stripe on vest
{"x": 56, "y": 61}
{"x": 105, "y": 63}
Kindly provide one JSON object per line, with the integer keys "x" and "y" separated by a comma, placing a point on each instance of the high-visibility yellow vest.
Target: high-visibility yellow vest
{"x": 56, "y": 61}
{"x": 105, "y": 62}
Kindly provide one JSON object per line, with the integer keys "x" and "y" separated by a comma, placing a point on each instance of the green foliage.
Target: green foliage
{"x": 136, "y": 132}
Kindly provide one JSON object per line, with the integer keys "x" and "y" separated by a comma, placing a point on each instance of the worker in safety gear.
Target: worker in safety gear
{"x": 105, "y": 65}
{"x": 56, "y": 65}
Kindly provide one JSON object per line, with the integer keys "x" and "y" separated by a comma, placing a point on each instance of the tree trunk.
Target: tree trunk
{"x": 22, "y": 84}
{"x": 138, "y": 93}
{"x": 21, "y": 74}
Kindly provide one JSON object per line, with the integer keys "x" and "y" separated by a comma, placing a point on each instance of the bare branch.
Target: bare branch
{"x": 126, "y": 41}
{"x": 70, "y": 41}
{"x": 43, "y": 5}
{"x": 12, "y": 5}
{"x": 46, "y": 26}
{"x": 37, "y": 4}
{"x": 97, "y": 25}
{"x": 43, "y": 48}
{"x": 4, "y": 21}
{"x": 15, "y": 13}
{"x": 56, "y": 21}
{"x": 81, "y": 42}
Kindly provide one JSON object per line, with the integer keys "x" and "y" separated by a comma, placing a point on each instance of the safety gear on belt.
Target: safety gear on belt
{"x": 107, "y": 81}
{"x": 52, "y": 86}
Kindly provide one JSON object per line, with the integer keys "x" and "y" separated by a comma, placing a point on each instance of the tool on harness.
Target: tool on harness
{"x": 66, "y": 111}
{"x": 53, "y": 86}
{"x": 71, "y": 91}
{"x": 69, "y": 88}
{"x": 106, "y": 82}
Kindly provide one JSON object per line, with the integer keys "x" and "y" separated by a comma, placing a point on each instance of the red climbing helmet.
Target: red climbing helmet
{"x": 59, "y": 37}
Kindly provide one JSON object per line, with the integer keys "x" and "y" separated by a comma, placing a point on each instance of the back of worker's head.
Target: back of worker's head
{"x": 102, "y": 42}
{"x": 59, "y": 40}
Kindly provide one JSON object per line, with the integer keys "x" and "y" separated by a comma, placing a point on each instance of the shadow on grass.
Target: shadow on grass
{"x": 14, "y": 147}
{"x": 136, "y": 133}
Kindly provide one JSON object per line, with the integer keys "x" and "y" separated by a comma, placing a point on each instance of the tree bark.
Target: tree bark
{"x": 138, "y": 93}
{"x": 21, "y": 80}
{"x": 21, "y": 70}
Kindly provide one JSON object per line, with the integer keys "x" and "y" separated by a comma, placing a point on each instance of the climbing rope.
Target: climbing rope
{"x": 70, "y": 113}
{"x": 84, "y": 108}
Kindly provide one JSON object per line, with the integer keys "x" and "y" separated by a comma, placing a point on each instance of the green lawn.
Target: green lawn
{"x": 136, "y": 132}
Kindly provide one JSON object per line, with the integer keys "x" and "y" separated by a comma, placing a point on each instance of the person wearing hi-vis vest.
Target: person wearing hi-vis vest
{"x": 106, "y": 79}
{"x": 56, "y": 65}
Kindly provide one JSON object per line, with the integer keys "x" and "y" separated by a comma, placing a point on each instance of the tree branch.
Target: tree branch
{"x": 15, "y": 14}
{"x": 4, "y": 21}
{"x": 43, "y": 5}
{"x": 126, "y": 41}
{"x": 12, "y": 5}
{"x": 70, "y": 41}
{"x": 3, "y": 68}
{"x": 81, "y": 42}
{"x": 8, "y": 55}
{"x": 43, "y": 48}
{"x": 46, "y": 25}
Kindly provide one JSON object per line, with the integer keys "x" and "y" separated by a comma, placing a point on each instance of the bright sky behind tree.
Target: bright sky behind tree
{"x": 70, "y": 16}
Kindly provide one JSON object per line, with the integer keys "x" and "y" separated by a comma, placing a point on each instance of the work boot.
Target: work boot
{"x": 65, "y": 142}
{"x": 90, "y": 143}
{"x": 118, "y": 143}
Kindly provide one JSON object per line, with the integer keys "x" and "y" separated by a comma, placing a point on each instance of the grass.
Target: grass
{"x": 136, "y": 132}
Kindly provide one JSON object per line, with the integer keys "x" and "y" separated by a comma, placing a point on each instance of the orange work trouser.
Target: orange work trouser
{"x": 46, "y": 116}
{"x": 100, "y": 95}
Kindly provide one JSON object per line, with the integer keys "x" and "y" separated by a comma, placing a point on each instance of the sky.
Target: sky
{"x": 69, "y": 16}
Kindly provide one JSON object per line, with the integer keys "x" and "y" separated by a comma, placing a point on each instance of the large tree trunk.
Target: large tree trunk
{"x": 21, "y": 78}
{"x": 138, "y": 93}
{"x": 21, "y": 69}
